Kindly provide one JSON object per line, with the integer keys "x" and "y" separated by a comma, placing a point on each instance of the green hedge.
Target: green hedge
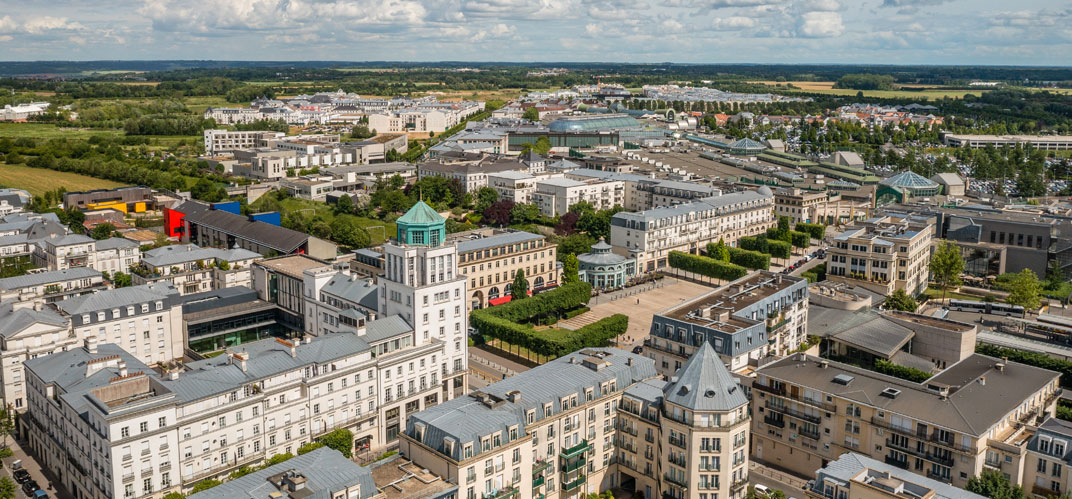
{"x": 899, "y": 371}
{"x": 509, "y": 322}
{"x": 816, "y": 231}
{"x": 706, "y": 266}
{"x": 799, "y": 239}
{"x": 1032, "y": 359}
{"x": 764, "y": 244}
{"x": 749, "y": 259}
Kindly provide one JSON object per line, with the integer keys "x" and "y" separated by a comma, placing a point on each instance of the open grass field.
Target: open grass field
{"x": 198, "y": 104}
{"x": 931, "y": 92}
{"x": 51, "y": 131}
{"x": 38, "y": 180}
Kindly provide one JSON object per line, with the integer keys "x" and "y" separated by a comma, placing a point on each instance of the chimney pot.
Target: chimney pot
{"x": 294, "y": 350}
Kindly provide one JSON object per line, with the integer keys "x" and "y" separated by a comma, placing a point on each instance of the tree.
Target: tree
{"x": 947, "y": 265}
{"x": 309, "y": 447}
{"x": 204, "y": 485}
{"x": 1024, "y": 290}
{"x": 524, "y": 213}
{"x": 122, "y": 279}
{"x": 1054, "y": 276}
{"x": 994, "y": 485}
{"x": 362, "y": 132}
{"x": 485, "y": 197}
{"x": 174, "y": 495}
{"x": 223, "y": 265}
{"x": 899, "y": 300}
{"x": 346, "y": 230}
{"x": 341, "y": 440}
{"x": 719, "y": 251}
{"x": 7, "y": 488}
{"x": 531, "y": 114}
{"x": 344, "y": 205}
{"x": 102, "y": 231}
{"x": 520, "y": 287}
{"x": 574, "y": 244}
{"x": 570, "y": 269}
{"x": 498, "y": 213}
{"x": 567, "y": 224}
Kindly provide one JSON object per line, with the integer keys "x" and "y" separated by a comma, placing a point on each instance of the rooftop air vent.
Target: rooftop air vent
{"x": 843, "y": 379}
{"x": 890, "y": 392}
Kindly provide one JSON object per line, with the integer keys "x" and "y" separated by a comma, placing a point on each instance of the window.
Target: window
{"x": 124, "y": 431}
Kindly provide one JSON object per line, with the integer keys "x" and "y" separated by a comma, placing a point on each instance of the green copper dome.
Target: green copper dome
{"x": 421, "y": 226}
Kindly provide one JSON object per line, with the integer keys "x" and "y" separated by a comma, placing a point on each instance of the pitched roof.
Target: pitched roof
{"x": 115, "y": 243}
{"x": 114, "y": 298}
{"x": 13, "y": 320}
{"x": 326, "y": 471}
{"x": 420, "y": 214}
{"x": 180, "y": 253}
{"x": 704, "y": 384}
{"x": 495, "y": 240}
{"x": 50, "y": 277}
{"x": 850, "y": 466}
{"x": 279, "y": 238}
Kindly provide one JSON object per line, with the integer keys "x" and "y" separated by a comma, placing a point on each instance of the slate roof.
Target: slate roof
{"x": 182, "y": 253}
{"x": 385, "y": 327}
{"x": 878, "y": 336}
{"x": 465, "y": 419}
{"x": 851, "y": 465}
{"x": 325, "y": 470}
{"x": 14, "y": 320}
{"x": 278, "y": 238}
{"x": 704, "y": 384}
{"x": 420, "y": 214}
{"x": 970, "y": 408}
{"x": 115, "y": 243}
{"x": 349, "y": 287}
{"x": 117, "y": 298}
{"x": 600, "y": 255}
{"x": 68, "y": 239}
{"x": 49, "y": 277}
{"x": 467, "y": 245}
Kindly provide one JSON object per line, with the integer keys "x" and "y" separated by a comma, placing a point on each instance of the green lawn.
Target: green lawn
{"x": 199, "y": 104}
{"x": 326, "y": 212}
{"x": 51, "y": 131}
{"x": 38, "y": 180}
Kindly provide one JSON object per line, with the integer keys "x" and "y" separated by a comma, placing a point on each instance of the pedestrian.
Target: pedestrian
{"x": 638, "y": 301}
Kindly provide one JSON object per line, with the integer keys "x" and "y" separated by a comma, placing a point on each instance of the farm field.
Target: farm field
{"x": 38, "y": 181}
{"x": 51, "y": 131}
{"x": 826, "y": 87}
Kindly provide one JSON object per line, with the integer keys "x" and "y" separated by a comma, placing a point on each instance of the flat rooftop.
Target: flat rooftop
{"x": 400, "y": 478}
{"x": 949, "y": 325}
{"x": 729, "y": 299}
{"x": 292, "y": 265}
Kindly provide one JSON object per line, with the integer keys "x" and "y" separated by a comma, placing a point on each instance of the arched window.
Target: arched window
{"x": 538, "y": 282}
{"x": 493, "y": 293}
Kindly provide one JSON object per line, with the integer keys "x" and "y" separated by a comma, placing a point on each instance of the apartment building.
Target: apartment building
{"x": 760, "y": 315}
{"x": 217, "y": 141}
{"x": 435, "y": 118}
{"x": 1044, "y": 467}
{"x": 695, "y": 433}
{"x": 978, "y": 412}
{"x": 548, "y": 432}
{"x": 193, "y": 269}
{"x": 513, "y": 185}
{"x": 337, "y": 299}
{"x": 554, "y": 196}
{"x": 117, "y": 254}
{"x": 109, "y": 426}
{"x": 471, "y": 170}
{"x": 650, "y": 235}
{"x": 322, "y": 473}
{"x": 854, "y": 476}
{"x": 145, "y": 320}
{"x": 491, "y": 258}
{"x": 51, "y": 286}
{"x": 818, "y": 207}
{"x": 883, "y": 254}
{"x": 647, "y": 192}
{"x": 66, "y": 251}
{"x": 28, "y": 329}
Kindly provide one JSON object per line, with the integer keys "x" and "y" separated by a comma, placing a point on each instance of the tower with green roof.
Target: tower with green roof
{"x": 422, "y": 284}
{"x": 421, "y": 226}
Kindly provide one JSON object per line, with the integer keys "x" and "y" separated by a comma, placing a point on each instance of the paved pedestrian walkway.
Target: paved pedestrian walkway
{"x": 639, "y": 303}
{"x": 43, "y": 479}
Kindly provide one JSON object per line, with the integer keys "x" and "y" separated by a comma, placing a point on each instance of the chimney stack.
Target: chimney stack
{"x": 122, "y": 368}
{"x": 91, "y": 344}
{"x": 173, "y": 375}
{"x": 293, "y": 350}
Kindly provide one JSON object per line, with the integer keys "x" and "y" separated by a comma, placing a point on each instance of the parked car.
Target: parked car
{"x": 40, "y": 494}
{"x": 638, "y": 349}
{"x": 21, "y": 476}
{"x": 29, "y": 487}
{"x": 762, "y": 490}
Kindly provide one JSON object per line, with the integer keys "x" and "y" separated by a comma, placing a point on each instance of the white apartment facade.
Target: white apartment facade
{"x": 192, "y": 269}
{"x": 513, "y": 185}
{"x": 554, "y": 196}
{"x": 62, "y": 252}
{"x": 217, "y": 141}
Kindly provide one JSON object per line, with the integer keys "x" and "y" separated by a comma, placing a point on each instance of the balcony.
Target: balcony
{"x": 502, "y": 493}
{"x": 814, "y": 435}
{"x": 679, "y": 442}
{"x": 1039, "y": 490}
{"x": 780, "y": 390}
{"x": 537, "y": 482}
{"x": 738, "y": 485}
{"x": 795, "y": 413}
{"x": 943, "y": 460}
{"x": 575, "y": 450}
{"x": 566, "y": 487}
{"x": 680, "y": 483}
{"x": 894, "y": 462}
{"x": 939, "y": 477}
{"x": 778, "y": 325}
{"x": 128, "y": 477}
{"x": 539, "y": 466}
{"x": 574, "y": 466}
{"x": 780, "y": 423}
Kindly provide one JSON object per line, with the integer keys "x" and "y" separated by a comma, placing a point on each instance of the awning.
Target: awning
{"x": 500, "y": 300}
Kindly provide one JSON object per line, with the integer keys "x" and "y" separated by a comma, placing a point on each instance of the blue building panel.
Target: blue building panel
{"x": 229, "y": 207}
{"x": 270, "y": 217}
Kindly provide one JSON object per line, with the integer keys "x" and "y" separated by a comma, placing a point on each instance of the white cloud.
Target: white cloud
{"x": 733, "y": 23}
{"x": 821, "y": 24}
{"x": 821, "y": 5}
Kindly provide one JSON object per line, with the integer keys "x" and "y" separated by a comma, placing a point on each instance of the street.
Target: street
{"x": 30, "y": 465}
{"x": 759, "y": 474}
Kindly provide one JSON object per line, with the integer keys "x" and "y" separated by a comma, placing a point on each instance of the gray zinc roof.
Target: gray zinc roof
{"x": 50, "y": 277}
{"x": 182, "y": 253}
{"x": 851, "y": 465}
{"x": 466, "y": 419}
{"x": 349, "y": 287}
{"x": 116, "y": 298}
{"x": 385, "y": 327}
{"x": 115, "y": 243}
{"x": 704, "y": 384}
{"x": 14, "y": 320}
{"x": 493, "y": 241}
{"x": 325, "y": 470}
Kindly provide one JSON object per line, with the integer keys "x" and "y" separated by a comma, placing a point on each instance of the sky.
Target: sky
{"x": 991, "y": 32}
